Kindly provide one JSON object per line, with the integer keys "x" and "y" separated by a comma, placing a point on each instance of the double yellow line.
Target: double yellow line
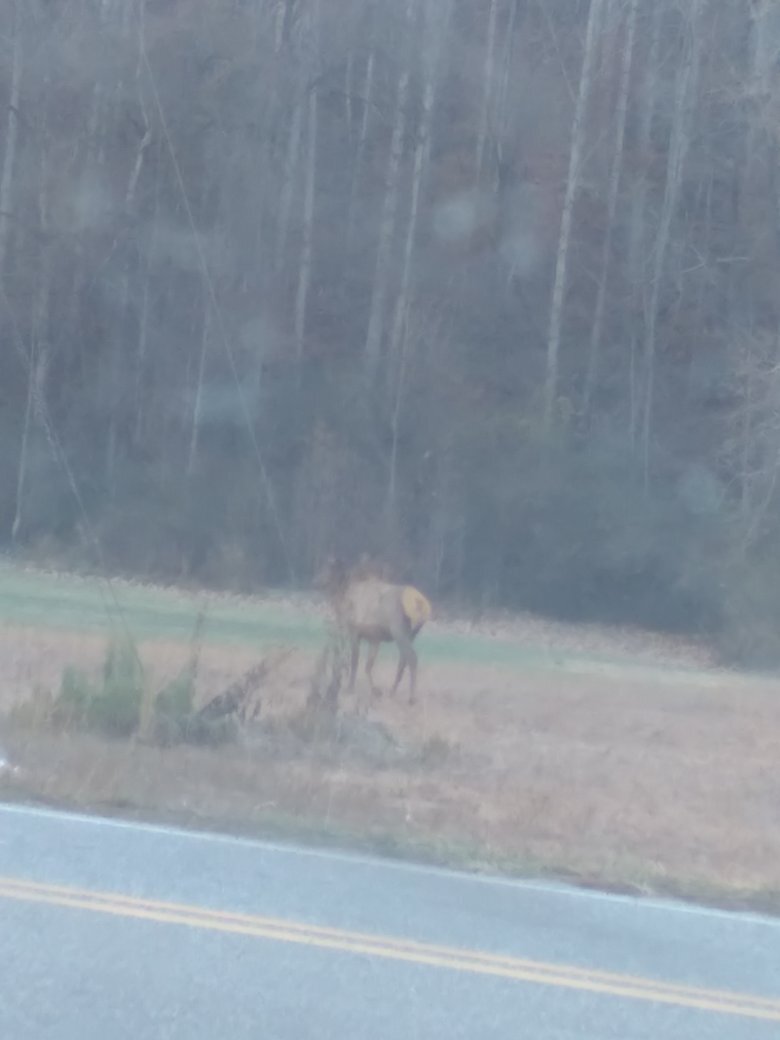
{"x": 472, "y": 961}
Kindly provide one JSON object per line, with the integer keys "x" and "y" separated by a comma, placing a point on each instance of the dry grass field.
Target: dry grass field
{"x": 616, "y": 758}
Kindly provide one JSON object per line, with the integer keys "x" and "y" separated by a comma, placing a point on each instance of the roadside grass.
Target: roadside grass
{"x": 196, "y": 790}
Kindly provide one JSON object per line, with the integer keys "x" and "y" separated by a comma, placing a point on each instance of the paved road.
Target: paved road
{"x": 111, "y": 929}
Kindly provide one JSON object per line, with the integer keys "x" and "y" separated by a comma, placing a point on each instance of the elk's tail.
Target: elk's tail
{"x": 416, "y": 608}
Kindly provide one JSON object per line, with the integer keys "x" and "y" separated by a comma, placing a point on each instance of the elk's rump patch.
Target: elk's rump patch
{"x": 416, "y": 607}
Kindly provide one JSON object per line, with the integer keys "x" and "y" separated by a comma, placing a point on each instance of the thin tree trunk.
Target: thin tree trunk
{"x": 614, "y": 186}
{"x": 38, "y": 353}
{"x": 376, "y": 322}
{"x": 21, "y": 472}
{"x": 357, "y": 169}
{"x": 399, "y": 333}
{"x": 272, "y": 221}
{"x": 637, "y": 244}
{"x": 11, "y": 135}
{"x": 118, "y": 346}
{"x": 759, "y": 166}
{"x": 564, "y": 239}
{"x": 115, "y": 388}
{"x": 143, "y": 317}
{"x": 745, "y": 501}
{"x": 488, "y": 82}
{"x": 707, "y": 246}
{"x": 290, "y": 180}
{"x": 93, "y": 151}
{"x": 307, "y": 247}
{"x": 433, "y": 44}
{"x": 197, "y": 404}
{"x": 502, "y": 106}
{"x": 348, "y": 88}
{"x": 687, "y": 78}
{"x": 137, "y": 167}
{"x": 279, "y": 19}
{"x": 147, "y": 138}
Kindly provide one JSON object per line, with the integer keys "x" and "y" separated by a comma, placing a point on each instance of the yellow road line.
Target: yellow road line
{"x": 452, "y": 958}
{"x": 315, "y": 932}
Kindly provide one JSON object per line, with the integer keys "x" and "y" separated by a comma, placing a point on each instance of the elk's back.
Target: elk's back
{"x": 376, "y": 609}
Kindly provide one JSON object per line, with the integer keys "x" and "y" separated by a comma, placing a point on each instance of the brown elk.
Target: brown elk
{"x": 377, "y": 611}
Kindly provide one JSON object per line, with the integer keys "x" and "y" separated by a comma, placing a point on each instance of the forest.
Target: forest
{"x": 487, "y": 289}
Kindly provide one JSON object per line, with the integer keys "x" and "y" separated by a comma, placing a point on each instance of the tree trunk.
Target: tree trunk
{"x": 349, "y": 74}
{"x": 503, "y": 106}
{"x": 290, "y": 179}
{"x": 399, "y": 333}
{"x": 612, "y": 200}
{"x": 357, "y": 168}
{"x": 488, "y": 84}
{"x": 115, "y": 388}
{"x": 143, "y": 317}
{"x": 198, "y": 399}
{"x": 564, "y": 239}
{"x": 21, "y": 472}
{"x": 11, "y": 134}
{"x": 307, "y": 246}
{"x": 637, "y": 237}
{"x": 376, "y": 322}
{"x": 687, "y": 78}
{"x": 39, "y": 342}
{"x": 433, "y": 54}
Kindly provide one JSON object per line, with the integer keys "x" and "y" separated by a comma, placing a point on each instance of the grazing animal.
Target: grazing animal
{"x": 376, "y": 611}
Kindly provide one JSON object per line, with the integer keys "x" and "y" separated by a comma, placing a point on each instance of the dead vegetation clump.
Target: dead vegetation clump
{"x": 320, "y": 736}
{"x": 121, "y": 702}
{"x": 330, "y": 669}
{"x": 320, "y": 727}
{"x": 109, "y": 703}
{"x": 222, "y": 718}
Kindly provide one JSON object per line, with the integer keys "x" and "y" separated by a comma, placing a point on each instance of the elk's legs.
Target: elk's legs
{"x": 407, "y": 656}
{"x": 353, "y": 662}
{"x": 399, "y": 673}
{"x": 370, "y": 661}
{"x": 413, "y": 676}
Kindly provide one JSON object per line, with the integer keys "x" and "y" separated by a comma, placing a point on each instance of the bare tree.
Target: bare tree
{"x": 36, "y": 360}
{"x": 638, "y": 246}
{"x": 290, "y": 180}
{"x": 567, "y": 216}
{"x": 307, "y": 242}
{"x": 753, "y": 443}
{"x": 387, "y": 228}
{"x": 612, "y": 201}
{"x": 12, "y": 131}
{"x": 436, "y": 24}
{"x": 489, "y": 78}
{"x": 684, "y": 105}
{"x": 357, "y": 168}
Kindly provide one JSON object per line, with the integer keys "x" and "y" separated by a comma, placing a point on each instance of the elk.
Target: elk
{"x": 377, "y": 611}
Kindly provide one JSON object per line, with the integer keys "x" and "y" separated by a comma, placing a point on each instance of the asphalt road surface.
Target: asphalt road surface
{"x": 114, "y": 930}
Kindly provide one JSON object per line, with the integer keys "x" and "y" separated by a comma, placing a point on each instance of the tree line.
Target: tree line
{"x": 485, "y": 288}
